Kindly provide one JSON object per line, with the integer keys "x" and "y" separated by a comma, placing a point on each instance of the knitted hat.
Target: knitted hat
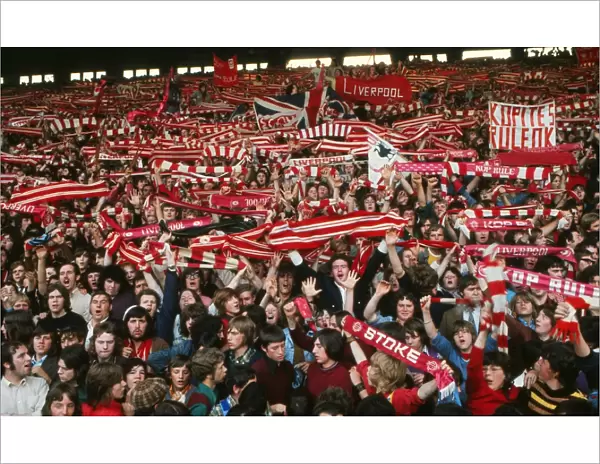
{"x": 148, "y": 393}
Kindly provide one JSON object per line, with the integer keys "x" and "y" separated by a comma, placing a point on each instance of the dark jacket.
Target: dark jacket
{"x": 330, "y": 298}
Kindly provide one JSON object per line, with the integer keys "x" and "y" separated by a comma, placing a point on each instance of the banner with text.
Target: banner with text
{"x": 377, "y": 91}
{"x": 226, "y": 73}
{"x": 587, "y": 56}
{"x": 522, "y": 126}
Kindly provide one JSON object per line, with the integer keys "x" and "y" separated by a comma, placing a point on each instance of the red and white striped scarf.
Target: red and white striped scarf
{"x": 59, "y": 191}
{"x": 497, "y": 291}
{"x": 315, "y": 232}
{"x": 493, "y": 171}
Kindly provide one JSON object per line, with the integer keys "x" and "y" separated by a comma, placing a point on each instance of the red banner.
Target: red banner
{"x": 587, "y": 56}
{"x": 226, "y": 74}
{"x": 377, "y": 91}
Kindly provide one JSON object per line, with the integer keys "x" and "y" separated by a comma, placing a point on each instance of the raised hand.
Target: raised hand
{"x": 351, "y": 280}
{"x": 391, "y": 237}
{"x": 309, "y": 288}
{"x": 426, "y": 304}
{"x": 276, "y": 260}
{"x": 383, "y": 288}
{"x": 41, "y": 252}
{"x": 271, "y": 287}
{"x": 289, "y": 309}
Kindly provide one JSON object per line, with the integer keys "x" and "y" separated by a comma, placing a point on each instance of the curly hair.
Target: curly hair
{"x": 424, "y": 278}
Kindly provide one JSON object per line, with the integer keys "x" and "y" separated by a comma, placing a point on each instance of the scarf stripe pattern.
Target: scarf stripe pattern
{"x": 497, "y": 290}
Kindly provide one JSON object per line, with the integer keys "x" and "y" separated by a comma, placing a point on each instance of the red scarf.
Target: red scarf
{"x": 404, "y": 353}
{"x": 142, "y": 352}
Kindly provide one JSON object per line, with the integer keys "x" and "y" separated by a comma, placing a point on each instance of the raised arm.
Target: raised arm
{"x": 430, "y": 328}
{"x": 42, "y": 255}
{"x": 382, "y": 289}
{"x": 349, "y": 285}
{"x": 391, "y": 238}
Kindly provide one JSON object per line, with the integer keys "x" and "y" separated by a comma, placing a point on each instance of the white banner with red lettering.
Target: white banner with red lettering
{"x": 522, "y": 126}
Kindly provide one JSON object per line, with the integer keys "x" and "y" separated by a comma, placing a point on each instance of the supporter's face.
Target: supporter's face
{"x": 272, "y": 313}
{"x": 135, "y": 376}
{"x": 473, "y": 293}
{"x": 18, "y": 274}
{"x": 436, "y": 235}
{"x": 129, "y": 273}
{"x": 482, "y": 237}
{"x": 151, "y": 217}
{"x": 148, "y": 302}
{"x": 137, "y": 327}
{"x": 595, "y": 281}
{"x": 83, "y": 261}
{"x": 139, "y": 286}
{"x": 92, "y": 278}
{"x": 463, "y": 339}
{"x": 543, "y": 369}
{"x": 42, "y": 344}
{"x": 56, "y": 302}
{"x": 425, "y": 227}
{"x": 408, "y": 258}
{"x": 594, "y": 251}
{"x": 99, "y": 307}
{"x": 64, "y": 407}
{"x": 494, "y": 376}
{"x": 25, "y": 223}
{"x": 394, "y": 283}
{"x": 319, "y": 352}
{"x": 340, "y": 270}
{"x": 523, "y": 307}
{"x": 285, "y": 283}
{"x": 180, "y": 377}
{"x": 105, "y": 345}
{"x": 543, "y": 324}
{"x": 21, "y": 305}
{"x": 67, "y": 277}
{"x": 414, "y": 341}
{"x": 323, "y": 192}
{"x": 405, "y": 309}
{"x": 450, "y": 281}
{"x": 261, "y": 178}
{"x": 65, "y": 374}
{"x": 232, "y": 306}
{"x": 370, "y": 205}
{"x": 595, "y": 226}
{"x": 530, "y": 262}
{"x": 275, "y": 351}
{"x": 70, "y": 339}
{"x": 169, "y": 213}
{"x": 112, "y": 287}
{"x": 118, "y": 390}
{"x": 541, "y": 240}
{"x": 192, "y": 280}
{"x": 186, "y": 299}
{"x": 409, "y": 215}
{"x": 556, "y": 271}
{"x": 402, "y": 198}
{"x": 220, "y": 372}
{"x": 246, "y": 298}
{"x": 440, "y": 208}
{"x": 22, "y": 362}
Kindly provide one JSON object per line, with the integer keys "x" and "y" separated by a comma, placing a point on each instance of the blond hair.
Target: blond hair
{"x": 386, "y": 373}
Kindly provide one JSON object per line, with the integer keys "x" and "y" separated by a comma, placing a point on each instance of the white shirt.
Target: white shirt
{"x": 25, "y": 399}
{"x": 80, "y": 304}
{"x": 343, "y": 291}
{"x": 476, "y": 314}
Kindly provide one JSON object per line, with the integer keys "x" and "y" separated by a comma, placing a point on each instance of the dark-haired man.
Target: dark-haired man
{"x": 69, "y": 275}
{"x": 470, "y": 289}
{"x": 333, "y": 296}
{"x": 272, "y": 370}
{"x": 21, "y": 393}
